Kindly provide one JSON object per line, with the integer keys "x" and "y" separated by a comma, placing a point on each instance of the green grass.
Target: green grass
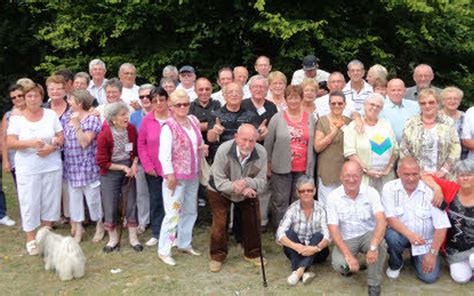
{"x": 144, "y": 274}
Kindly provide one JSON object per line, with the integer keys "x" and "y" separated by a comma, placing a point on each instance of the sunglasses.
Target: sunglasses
{"x": 145, "y": 96}
{"x": 337, "y": 103}
{"x": 180, "y": 105}
{"x": 306, "y": 191}
{"x": 16, "y": 97}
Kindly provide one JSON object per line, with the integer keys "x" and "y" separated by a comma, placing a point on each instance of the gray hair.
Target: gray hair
{"x": 125, "y": 66}
{"x": 257, "y": 77}
{"x": 375, "y": 96}
{"x": 166, "y": 79}
{"x": 82, "y": 75}
{"x": 111, "y": 110}
{"x": 82, "y": 97}
{"x": 304, "y": 180}
{"x": 355, "y": 63}
{"x": 146, "y": 86}
{"x": 114, "y": 82}
{"x": 464, "y": 166}
{"x": 378, "y": 71}
{"x": 452, "y": 89}
{"x": 170, "y": 68}
{"x": 96, "y": 62}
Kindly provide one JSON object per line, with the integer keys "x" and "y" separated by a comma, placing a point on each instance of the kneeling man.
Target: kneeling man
{"x": 413, "y": 223}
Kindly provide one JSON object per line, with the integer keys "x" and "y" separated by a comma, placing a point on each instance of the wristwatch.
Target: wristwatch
{"x": 373, "y": 248}
{"x": 434, "y": 252}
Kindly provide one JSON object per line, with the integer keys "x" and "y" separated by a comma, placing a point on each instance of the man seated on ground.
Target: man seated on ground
{"x": 413, "y": 223}
{"x": 357, "y": 224}
{"x": 310, "y": 70}
{"x": 238, "y": 174}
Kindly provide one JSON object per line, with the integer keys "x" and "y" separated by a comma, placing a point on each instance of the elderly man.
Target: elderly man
{"x": 224, "y": 77}
{"x": 336, "y": 82}
{"x": 171, "y": 71}
{"x": 357, "y": 90}
{"x": 241, "y": 75}
{"x": 204, "y": 105}
{"x": 396, "y": 109}
{"x": 127, "y": 75}
{"x": 423, "y": 75}
{"x": 310, "y": 70}
{"x": 357, "y": 224}
{"x": 238, "y": 175}
{"x": 187, "y": 76}
{"x": 413, "y": 223}
{"x": 263, "y": 66}
{"x": 96, "y": 86}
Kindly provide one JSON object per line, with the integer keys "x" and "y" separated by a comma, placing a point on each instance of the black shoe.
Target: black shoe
{"x": 374, "y": 290}
{"x": 362, "y": 266}
{"x": 109, "y": 249}
{"x": 137, "y": 248}
{"x": 347, "y": 274}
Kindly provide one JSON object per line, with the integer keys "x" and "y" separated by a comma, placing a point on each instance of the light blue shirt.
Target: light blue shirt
{"x": 397, "y": 115}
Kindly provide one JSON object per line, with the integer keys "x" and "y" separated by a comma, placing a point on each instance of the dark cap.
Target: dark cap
{"x": 186, "y": 68}
{"x": 309, "y": 62}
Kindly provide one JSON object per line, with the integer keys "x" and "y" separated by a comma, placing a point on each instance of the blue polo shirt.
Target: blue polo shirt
{"x": 397, "y": 115}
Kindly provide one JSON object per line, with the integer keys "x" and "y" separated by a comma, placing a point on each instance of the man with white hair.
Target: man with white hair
{"x": 310, "y": 70}
{"x": 127, "y": 75}
{"x": 422, "y": 75}
{"x": 96, "y": 86}
{"x": 171, "y": 71}
{"x": 357, "y": 90}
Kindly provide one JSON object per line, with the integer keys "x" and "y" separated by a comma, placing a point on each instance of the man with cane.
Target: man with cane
{"x": 238, "y": 175}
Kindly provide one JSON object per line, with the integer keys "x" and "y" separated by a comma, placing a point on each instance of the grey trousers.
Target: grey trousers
{"x": 113, "y": 186}
{"x": 283, "y": 194}
{"x": 143, "y": 197}
{"x": 264, "y": 201}
{"x": 361, "y": 244}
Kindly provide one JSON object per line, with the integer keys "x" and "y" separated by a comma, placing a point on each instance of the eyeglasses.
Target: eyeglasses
{"x": 16, "y": 97}
{"x": 430, "y": 103}
{"x": 337, "y": 103}
{"x": 306, "y": 191}
{"x": 145, "y": 96}
{"x": 180, "y": 105}
{"x": 204, "y": 89}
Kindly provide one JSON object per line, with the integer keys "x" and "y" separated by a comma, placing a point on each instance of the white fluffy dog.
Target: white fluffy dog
{"x": 62, "y": 254}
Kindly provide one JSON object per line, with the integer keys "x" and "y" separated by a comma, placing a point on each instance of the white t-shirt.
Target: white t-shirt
{"x": 190, "y": 91}
{"x": 299, "y": 76}
{"x": 27, "y": 162}
{"x": 468, "y": 129}
{"x": 129, "y": 95}
{"x": 381, "y": 146}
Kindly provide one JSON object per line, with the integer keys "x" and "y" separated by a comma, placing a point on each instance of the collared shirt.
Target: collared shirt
{"x": 357, "y": 98}
{"x": 322, "y": 106}
{"x": 244, "y": 160}
{"x": 397, "y": 115}
{"x": 305, "y": 228}
{"x": 218, "y": 96}
{"x": 129, "y": 95}
{"x": 355, "y": 217}
{"x": 98, "y": 92}
{"x": 415, "y": 211}
{"x": 468, "y": 129}
{"x": 412, "y": 92}
{"x": 300, "y": 75}
{"x": 137, "y": 117}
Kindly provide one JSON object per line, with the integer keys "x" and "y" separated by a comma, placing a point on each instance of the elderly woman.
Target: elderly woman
{"x": 431, "y": 138}
{"x": 375, "y": 72}
{"x": 459, "y": 197}
{"x": 117, "y": 159}
{"x": 148, "y": 147}
{"x": 180, "y": 158}
{"x": 375, "y": 149}
{"x": 303, "y": 232}
{"x": 80, "y": 168}
{"x": 310, "y": 92}
{"x": 113, "y": 92}
{"x": 36, "y": 136}
{"x": 56, "y": 87}
{"x": 289, "y": 149}
{"x": 451, "y": 98}
{"x": 328, "y": 142}
{"x": 168, "y": 84}
{"x": 277, "y": 84}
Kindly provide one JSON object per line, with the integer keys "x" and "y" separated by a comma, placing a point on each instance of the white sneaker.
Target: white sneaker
{"x": 7, "y": 221}
{"x": 293, "y": 279}
{"x": 308, "y": 277}
{"x": 167, "y": 260}
{"x": 393, "y": 274}
{"x": 152, "y": 242}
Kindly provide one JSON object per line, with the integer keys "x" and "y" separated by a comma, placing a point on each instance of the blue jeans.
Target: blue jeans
{"x": 298, "y": 260}
{"x": 397, "y": 243}
{"x": 157, "y": 212}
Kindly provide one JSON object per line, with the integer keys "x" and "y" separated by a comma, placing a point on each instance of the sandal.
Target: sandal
{"x": 32, "y": 248}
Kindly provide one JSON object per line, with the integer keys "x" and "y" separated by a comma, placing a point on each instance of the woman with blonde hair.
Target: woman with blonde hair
{"x": 277, "y": 84}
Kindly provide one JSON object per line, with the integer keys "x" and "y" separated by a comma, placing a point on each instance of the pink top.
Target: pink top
{"x": 299, "y": 138}
{"x": 149, "y": 144}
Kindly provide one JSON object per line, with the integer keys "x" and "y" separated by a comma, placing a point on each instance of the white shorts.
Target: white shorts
{"x": 40, "y": 198}
{"x": 93, "y": 199}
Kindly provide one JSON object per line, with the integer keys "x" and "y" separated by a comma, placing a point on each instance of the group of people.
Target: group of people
{"x": 315, "y": 160}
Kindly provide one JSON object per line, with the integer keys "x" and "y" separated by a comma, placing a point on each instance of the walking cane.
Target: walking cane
{"x": 254, "y": 202}
{"x": 123, "y": 210}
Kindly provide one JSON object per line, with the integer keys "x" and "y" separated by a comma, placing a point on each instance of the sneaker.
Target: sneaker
{"x": 201, "y": 202}
{"x": 215, "y": 266}
{"x": 393, "y": 274}
{"x": 308, "y": 277}
{"x": 374, "y": 291}
{"x": 293, "y": 279}
{"x": 256, "y": 261}
{"x": 7, "y": 221}
{"x": 152, "y": 242}
{"x": 167, "y": 260}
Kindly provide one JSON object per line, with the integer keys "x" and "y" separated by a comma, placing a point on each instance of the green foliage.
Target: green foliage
{"x": 210, "y": 34}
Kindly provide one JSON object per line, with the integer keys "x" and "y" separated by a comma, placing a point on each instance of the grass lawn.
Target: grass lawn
{"x": 144, "y": 274}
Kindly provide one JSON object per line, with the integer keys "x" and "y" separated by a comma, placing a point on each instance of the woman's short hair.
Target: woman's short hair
{"x": 337, "y": 93}
{"x": 277, "y": 75}
{"x": 304, "y": 180}
{"x": 146, "y": 86}
{"x": 294, "y": 90}
{"x": 380, "y": 82}
{"x": 25, "y": 82}
{"x": 178, "y": 94}
{"x": 84, "y": 75}
{"x": 429, "y": 92}
{"x": 114, "y": 82}
{"x": 158, "y": 91}
{"x": 83, "y": 98}
{"x": 378, "y": 71}
{"x": 452, "y": 89}
{"x": 111, "y": 110}
{"x": 34, "y": 87}
{"x": 56, "y": 79}
{"x": 375, "y": 96}
{"x": 309, "y": 82}
{"x": 464, "y": 166}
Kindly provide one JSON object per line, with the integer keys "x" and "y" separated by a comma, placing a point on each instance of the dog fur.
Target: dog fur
{"x": 61, "y": 254}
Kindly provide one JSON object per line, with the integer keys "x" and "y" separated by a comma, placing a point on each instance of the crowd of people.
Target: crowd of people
{"x": 316, "y": 161}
